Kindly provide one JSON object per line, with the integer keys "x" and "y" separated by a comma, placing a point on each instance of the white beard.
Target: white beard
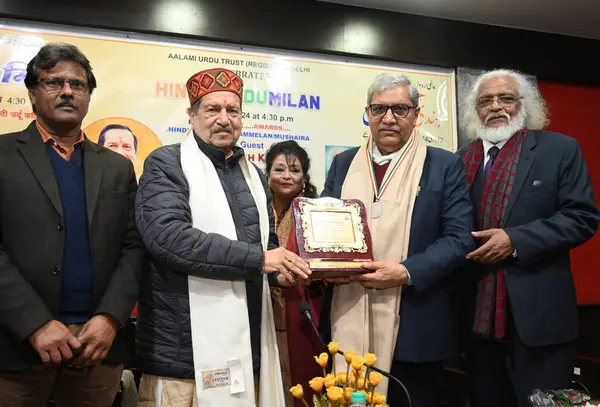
{"x": 497, "y": 135}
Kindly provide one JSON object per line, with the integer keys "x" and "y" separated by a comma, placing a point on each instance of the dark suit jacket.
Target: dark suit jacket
{"x": 551, "y": 211}
{"x": 32, "y": 242}
{"x": 440, "y": 238}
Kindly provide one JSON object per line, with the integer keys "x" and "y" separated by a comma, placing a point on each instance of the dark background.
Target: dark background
{"x": 309, "y": 25}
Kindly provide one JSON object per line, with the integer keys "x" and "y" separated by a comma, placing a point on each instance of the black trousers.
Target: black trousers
{"x": 422, "y": 380}
{"x": 504, "y": 373}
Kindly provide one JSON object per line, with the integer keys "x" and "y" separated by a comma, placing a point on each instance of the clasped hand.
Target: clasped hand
{"x": 287, "y": 265}
{"x": 55, "y": 343}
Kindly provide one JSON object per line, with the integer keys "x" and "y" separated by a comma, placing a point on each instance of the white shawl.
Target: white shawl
{"x": 219, "y": 308}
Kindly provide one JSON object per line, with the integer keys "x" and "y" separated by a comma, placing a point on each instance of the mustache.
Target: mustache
{"x": 390, "y": 128}
{"x": 66, "y": 103}
{"x": 222, "y": 129}
{"x": 491, "y": 116}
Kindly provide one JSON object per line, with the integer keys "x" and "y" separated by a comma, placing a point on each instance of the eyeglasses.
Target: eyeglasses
{"x": 55, "y": 85}
{"x": 399, "y": 111}
{"x": 503, "y": 101}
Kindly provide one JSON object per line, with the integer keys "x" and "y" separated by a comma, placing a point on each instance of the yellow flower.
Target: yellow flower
{"x": 330, "y": 380}
{"x": 358, "y": 362}
{"x": 348, "y": 393}
{"x": 316, "y": 384}
{"x": 335, "y": 393}
{"x": 297, "y": 391}
{"x": 375, "y": 378}
{"x": 358, "y": 373}
{"x": 370, "y": 359}
{"x": 333, "y": 347}
{"x": 360, "y": 384}
{"x": 322, "y": 359}
{"x": 342, "y": 377}
{"x": 378, "y": 398}
{"x": 348, "y": 355}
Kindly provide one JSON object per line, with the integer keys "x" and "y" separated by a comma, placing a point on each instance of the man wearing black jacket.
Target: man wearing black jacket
{"x": 204, "y": 215}
{"x": 71, "y": 257}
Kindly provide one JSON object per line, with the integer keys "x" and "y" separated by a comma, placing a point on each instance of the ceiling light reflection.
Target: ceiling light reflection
{"x": 182, "y": 16}
{"x": 361, "y": 37}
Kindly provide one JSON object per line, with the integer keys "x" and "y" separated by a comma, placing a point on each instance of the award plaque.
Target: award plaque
{"x": 332, "y": 236}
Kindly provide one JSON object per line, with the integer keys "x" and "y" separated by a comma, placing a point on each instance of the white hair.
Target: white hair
{"x": 533, "y": 107}
{"x": 387, "y": 81}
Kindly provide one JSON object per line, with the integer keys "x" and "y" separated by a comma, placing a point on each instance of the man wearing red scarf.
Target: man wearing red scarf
{"x": 533, "y": 202}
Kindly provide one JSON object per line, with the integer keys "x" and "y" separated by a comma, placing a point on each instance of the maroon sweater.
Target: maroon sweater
{"x": 380, "y": 172}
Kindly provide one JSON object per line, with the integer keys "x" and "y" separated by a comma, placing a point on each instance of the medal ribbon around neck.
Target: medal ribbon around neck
{"x": 379, "y": 190}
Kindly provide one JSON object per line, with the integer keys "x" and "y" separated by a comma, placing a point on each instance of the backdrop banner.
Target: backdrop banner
{"x": 319, "y": 101}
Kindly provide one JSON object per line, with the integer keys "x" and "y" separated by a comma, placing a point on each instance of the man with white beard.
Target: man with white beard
{"x": 533, "y": 203}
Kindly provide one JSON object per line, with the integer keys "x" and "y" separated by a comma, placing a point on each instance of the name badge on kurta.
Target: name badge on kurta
{"x": 216, "y": 378}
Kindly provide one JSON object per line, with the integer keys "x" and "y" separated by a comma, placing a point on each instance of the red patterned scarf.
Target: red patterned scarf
{"x": 491, "y": 302}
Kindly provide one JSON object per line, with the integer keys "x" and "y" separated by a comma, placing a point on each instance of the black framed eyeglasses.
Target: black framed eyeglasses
{"x": 399, "y": 110}
{"x": 54, "y": 85}
{"x": 503, "y": 101}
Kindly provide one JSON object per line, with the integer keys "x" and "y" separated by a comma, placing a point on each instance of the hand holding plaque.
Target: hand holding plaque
{"x": 287, "y": 265}
{"x": 332, "y": 236}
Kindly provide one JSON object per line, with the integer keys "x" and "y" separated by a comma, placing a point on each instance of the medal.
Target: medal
{"x": 378, "y": 190}
{"x": 377, "y": 209}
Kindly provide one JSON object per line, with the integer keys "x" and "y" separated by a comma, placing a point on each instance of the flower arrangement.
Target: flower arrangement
{"x": 335, "y": 389}
{"x": 562, "y": 398}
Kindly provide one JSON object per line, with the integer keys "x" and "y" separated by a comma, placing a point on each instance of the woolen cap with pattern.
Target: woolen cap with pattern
{"x": 213, "y": 80}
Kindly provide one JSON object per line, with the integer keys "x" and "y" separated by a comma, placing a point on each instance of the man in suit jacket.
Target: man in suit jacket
{"x": 70, "y": 255}
{"x": 420, "y": 219}
{"x": 533, "y": 202}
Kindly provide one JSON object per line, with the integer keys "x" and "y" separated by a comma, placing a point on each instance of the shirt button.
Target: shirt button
{"x": 56, "y": 270}
{"x": 59, "y": 226}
